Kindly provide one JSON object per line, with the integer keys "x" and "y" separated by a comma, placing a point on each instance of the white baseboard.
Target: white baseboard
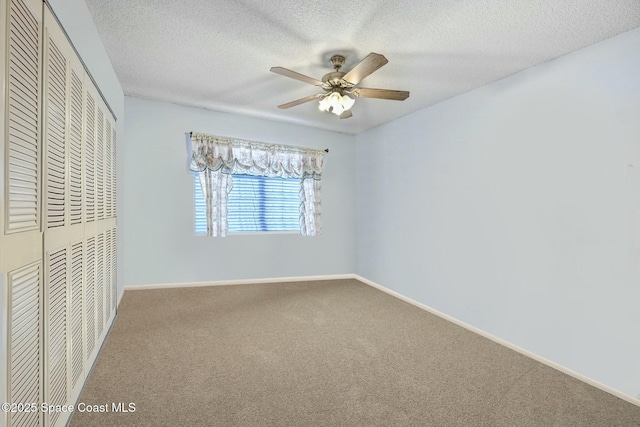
{"x": 120, "y": 299}
{"x": 505, "y": 343}
{"x": 525, "y": 352}
{"x": 239, "y": 282}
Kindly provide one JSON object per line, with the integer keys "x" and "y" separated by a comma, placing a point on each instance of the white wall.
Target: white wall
{"x": 158, "y": 243}
{"x": 516, "y": 208}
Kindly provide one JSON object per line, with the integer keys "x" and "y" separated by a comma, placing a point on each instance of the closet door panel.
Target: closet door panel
{"x": 108, "y": 155}
{"x": 107, "y": 275}
{"x": 55, "y": 133}
{"x": 65, "y": 156}
{"x": 90, "y": 298}
{"x": 21, "y": 165}
{"x": 100, "y": 197}
{"x": 25, "y": 354}
{"x": 90, "y": 156}
{"x": 21, "y": 376}
{"x": 99, "y": 289}
{"x": 76, "y": 119}
{"x": 114, "y": 275}
{"x": 57, "y": 331}
{"x": 113, "y": 171}
{"x": 76, "y": 313}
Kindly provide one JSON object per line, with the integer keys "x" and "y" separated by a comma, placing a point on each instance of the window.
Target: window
{"x": 255, "y": 204}
{"x": 273, "y": 204}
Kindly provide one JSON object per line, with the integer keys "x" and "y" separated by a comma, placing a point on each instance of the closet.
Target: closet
{"x": 57, "y": 213}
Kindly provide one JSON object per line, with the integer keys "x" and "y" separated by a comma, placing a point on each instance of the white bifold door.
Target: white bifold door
{"x": 57, "y": 209}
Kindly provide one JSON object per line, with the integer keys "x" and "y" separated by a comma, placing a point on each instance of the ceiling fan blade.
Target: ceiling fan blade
{"x": 300, "y": 101}
{"x": 368, "y": 65}
{"x": 292, "y": 74}
{"x": 396, "y": 95}
{"x": 346, "y": 114}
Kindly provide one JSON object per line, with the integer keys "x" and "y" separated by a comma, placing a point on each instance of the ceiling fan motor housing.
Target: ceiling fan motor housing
{"x": 334, "y": 79}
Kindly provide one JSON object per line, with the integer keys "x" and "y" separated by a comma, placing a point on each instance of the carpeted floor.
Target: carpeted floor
{"x": 329, "y": 353}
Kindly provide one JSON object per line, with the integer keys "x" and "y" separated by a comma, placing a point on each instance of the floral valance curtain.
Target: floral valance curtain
{"x": 216, "y": 158}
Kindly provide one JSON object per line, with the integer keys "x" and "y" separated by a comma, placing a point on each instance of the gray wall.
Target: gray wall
{"x": 157, "y": 241}
{"x": 515, "y": 208}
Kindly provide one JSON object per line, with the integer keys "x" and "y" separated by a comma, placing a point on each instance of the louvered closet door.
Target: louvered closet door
{"x": 114, "y": 275}
{"x": 57, "y": 330}
{"x": 25, "y": 375}
{"x": 75, "y": 232}
{"x": 107, "y": 173}
{"x": 56, "y": 141}
{"x": 107, "y": 275}
{"x": 113, "y": 172}
{"x": 100, "y": 285}
{"x": 20, "y": 204}
{"x": 64, "y": 141}
{"x": 99, "y": 212}
{"x": 76, "y": 313}
{"x": 56, "y": 133}
{"x": 22, "y": 163}
{"x": 90, "y": 156}
{"x": 76, "y": 119}
{"x": 100, "y": 196}
{"x": 90, "y": 299}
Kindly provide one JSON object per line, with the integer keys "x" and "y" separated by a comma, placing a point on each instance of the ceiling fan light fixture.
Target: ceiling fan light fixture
{"x": 347, "y": 102}
{"x": 336, "y": 103}
{"x": 338, "y": 85}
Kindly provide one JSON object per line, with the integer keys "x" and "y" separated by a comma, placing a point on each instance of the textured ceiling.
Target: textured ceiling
{"x": 217, "y": 54}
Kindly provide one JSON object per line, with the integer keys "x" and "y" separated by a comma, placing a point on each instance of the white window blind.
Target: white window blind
{"x": 200, "y": 207}
{"x": 255, "y": 204}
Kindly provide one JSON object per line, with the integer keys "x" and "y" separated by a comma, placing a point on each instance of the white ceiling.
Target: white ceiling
{"x": 217, "y": 54}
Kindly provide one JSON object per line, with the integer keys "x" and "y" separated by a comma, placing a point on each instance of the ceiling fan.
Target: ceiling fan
{"x": 339, "y": 87}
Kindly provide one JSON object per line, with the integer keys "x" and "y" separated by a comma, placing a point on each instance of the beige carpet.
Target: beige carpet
{"x": 330, "y": 353}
